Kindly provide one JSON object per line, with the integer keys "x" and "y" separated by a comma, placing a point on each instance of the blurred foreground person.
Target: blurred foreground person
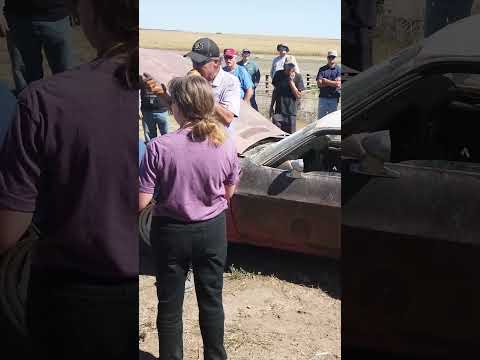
{"x": 58, "y": 162}
{"x": 193, "y": 172}
{"x": 34, "y": 27}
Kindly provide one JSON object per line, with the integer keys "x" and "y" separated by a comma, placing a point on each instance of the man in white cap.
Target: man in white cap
{"x": 329, "y": 81}
{"x": 277, "y": 62}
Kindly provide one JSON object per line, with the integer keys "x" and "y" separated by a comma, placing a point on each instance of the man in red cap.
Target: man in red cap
{"x": 246, "y": 84}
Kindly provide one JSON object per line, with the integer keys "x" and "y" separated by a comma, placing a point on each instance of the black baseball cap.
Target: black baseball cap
{"x": 203, "y": 50}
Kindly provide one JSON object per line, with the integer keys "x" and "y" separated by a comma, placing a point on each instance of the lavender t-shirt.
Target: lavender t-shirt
{"x": 188, "y": 176}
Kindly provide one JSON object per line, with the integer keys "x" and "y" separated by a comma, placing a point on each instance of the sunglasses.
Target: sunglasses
{"x": 228, "y": 57}
{"x": 331, "y": 57}
{"x": 199, "y": 64}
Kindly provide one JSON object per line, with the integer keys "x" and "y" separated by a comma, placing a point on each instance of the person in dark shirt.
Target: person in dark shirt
{"x": 154, "y": 113}
{"x": 288, "y": 88}
{"x": 83, "y": 291}
{"x": 33, "y": 26}
{"x": 329, "y": 81}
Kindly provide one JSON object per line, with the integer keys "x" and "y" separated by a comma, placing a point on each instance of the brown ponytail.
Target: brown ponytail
{"x": 194, "y": 98}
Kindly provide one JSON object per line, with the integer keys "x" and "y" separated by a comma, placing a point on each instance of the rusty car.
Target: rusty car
{"x": 289, "y": 193}
{"x": 410, "y": 203}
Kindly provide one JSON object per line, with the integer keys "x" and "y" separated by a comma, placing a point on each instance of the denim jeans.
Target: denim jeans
{"x": 175, "y": 246}
{"x": 326, "y": 106}
{"x": 73, "y": 319}
{"x": 26, "y": 40}
{"x": 150, "y": 122}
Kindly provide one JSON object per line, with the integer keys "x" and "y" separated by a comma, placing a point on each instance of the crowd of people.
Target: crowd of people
{"x": 60, "y": 170}
{"x": 286, "y": 78}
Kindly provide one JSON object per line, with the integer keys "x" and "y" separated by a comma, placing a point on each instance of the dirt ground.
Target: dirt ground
{"x": 277, "y": 305}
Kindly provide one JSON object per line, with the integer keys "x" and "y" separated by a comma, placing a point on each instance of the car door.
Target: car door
{"x": 272, "y": 209}
{"x": 410, "y": 255}
{"x": 410, "y": 250}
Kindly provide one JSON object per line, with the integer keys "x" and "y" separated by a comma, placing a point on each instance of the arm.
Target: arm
{"x": 228, "y": 106}
{"x": 248, "y": 95}
{"x": 225, "y": 116}
{"x": 331, "y": 83}
{"x": 297, "y": 93}
{"x": 13, "y": 224}
{"x": 229, "y": 191}
{"x": 143, "y": 200}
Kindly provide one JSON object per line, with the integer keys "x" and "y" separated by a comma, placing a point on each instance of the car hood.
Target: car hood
{"x": 251, "y": 126}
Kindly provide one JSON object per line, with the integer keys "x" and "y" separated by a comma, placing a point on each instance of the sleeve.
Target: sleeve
{"x": 148, "y": 170}
{"x": 247, "y": 80}
{"x": 319, "y": 74}
{"x": 235, "y": 169}
{"x": 231, "y": 97}
{"x": 339, "y": 72}
{"x": 20, "y": 158}
{"x": 272, "y": 70}
{"x": 299, "y": 83}
{"x": 297, "y": 68}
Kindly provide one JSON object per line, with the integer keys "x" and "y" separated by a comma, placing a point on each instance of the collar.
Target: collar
{"x": 219, "y": 78}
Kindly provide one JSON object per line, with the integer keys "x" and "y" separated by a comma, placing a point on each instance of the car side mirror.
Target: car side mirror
{"x": 297, "y": 169}
{"x": 377, "y": 151}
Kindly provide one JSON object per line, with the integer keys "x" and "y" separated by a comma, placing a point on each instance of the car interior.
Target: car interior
{"x": 435, "y": 118}
{"x": 323, "y": 154}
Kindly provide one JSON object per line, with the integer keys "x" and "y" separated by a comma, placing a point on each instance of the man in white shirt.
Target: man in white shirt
{"x": 279, "y": 61}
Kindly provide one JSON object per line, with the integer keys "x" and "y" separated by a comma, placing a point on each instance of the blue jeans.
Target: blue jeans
{"x": 326, "y": 106}
{"x": 26, "y": 40}
{"x": 150, "y": 122}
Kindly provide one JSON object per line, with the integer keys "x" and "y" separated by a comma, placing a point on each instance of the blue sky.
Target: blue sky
{"x": 312, "y": 18}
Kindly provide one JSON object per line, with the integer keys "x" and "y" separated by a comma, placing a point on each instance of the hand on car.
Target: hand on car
{"x": 3, "y": 26}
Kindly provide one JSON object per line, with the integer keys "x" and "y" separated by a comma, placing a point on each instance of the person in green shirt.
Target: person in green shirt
{"x": 254, "y": 71}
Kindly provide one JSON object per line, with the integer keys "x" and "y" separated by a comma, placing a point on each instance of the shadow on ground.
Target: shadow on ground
{"x": 312, "y": 271}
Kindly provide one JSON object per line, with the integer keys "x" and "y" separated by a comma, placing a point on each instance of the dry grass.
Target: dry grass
{"x": 260, "y": 44}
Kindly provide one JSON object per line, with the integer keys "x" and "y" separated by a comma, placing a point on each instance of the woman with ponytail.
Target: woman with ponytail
{"x": 193, "y": 172}
{"x": 71, "y": 157}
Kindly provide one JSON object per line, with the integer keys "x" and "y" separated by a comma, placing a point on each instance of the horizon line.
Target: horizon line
{"x": 233, "y": 33}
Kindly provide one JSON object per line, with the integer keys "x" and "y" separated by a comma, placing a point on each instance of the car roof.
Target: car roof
{"x": 457, "y": 40}
{"x": 250, "y": 128}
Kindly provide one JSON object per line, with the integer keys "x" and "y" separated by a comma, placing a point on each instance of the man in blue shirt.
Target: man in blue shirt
{"x": 254, "y": 72}
{"x": 8, "y": 105}
{"x": 246, "y": 84}
{"x": 329, "y": 81}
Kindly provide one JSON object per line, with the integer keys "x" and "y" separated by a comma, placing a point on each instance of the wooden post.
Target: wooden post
{"x": 266, "y": 83}
{"x": 308, "y": 81}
